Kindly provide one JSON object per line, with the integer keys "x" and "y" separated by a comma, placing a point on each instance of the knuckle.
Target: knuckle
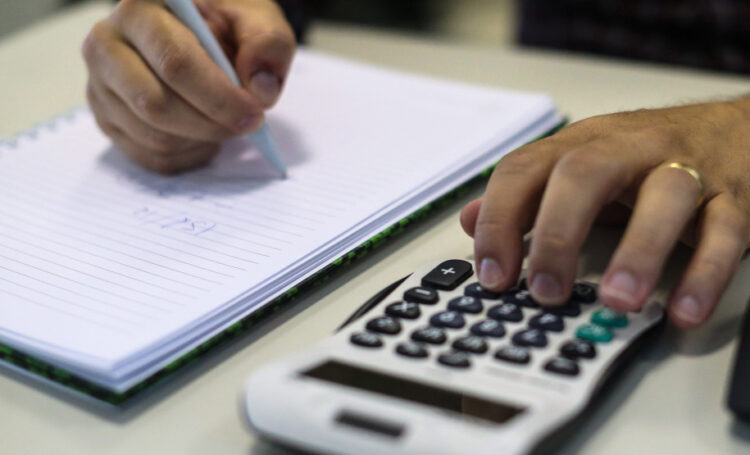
{"x": 552, "y": 240}
{"x": 163, "y": 165}
{"x": 125, "y": 9}
{"x": 712, "y": 270}
{"x": 581, "y": 164}
{"x": 279, "y": 39}
{"x": 518, "y": 162}
{"x": 162, "y": 142}
{"x": 151, "y": 105}
{"x": 173, "y": 61}
{"x": 93, "y": 43}
{"x": 733, "y": 219}
{"x": 666, "y": 137}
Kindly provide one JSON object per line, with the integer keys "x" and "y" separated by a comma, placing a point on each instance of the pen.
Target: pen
{"x": 189, "y": 15}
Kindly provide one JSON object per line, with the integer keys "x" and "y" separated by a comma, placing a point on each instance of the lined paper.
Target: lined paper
{"x": 111, "y": 270}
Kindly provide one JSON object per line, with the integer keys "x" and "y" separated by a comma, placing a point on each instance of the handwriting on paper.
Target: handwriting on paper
{"x": 174, "y": 222}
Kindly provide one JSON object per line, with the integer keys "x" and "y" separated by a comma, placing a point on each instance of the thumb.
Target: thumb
{"x": 265, "y": 47}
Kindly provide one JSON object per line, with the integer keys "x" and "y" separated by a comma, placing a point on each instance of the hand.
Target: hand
{"x": 560, "y": 185}
{"x": 159, "y": 96}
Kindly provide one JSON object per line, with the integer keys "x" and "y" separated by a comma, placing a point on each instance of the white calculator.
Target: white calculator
{"x": 439, "y": 365}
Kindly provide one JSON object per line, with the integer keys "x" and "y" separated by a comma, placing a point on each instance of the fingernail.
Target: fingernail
{"x": 490, "y": 273}
{"x": 622, "y": 286}
{"x": 266, "y": 86}
{"x": 689, "y": 309}
{"x": 545, "y": 287}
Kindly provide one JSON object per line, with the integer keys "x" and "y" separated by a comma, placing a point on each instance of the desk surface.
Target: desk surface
{"x": 669, "y": 401}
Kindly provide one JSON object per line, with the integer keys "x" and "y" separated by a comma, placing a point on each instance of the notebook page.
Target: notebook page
{"x": 101, "y": 260}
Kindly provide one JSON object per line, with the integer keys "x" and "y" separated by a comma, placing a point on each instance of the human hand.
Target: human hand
{"x": 560, "y": 184}
{"x": 158, "y": 95}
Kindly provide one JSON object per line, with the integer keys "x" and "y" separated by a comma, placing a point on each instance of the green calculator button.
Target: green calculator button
{"x": 594, "y": 332}
{"x": 609, "y": 318}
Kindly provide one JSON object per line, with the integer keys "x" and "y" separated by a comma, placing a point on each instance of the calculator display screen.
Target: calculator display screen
{"x": 409, "y": 390}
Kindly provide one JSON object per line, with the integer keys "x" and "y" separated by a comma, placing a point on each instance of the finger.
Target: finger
{"x": 173, "y": 52}
{"x": 666, "y": 202}
{"x": 469, "y": 216}
{"x": 581, "y": 183}
{"x": 507, "y": 212}
{"x": 132, "y": 126}
{"x": 723, "y": 239}
{"x": 265, "y": 46}
{"x": 125, "y": 73}
{"x": 162, "y": 163}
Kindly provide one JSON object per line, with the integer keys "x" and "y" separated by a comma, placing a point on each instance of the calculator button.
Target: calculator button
{"x": 520, "y": 298}
{"x": 584, "y": 293}
{"x": 411, "y": 349}
{"x": 466, "y": 304}
{"x": 476, "y": 290}
{"x": 455, "y": 359}
{"x": 384, "y": 324}
{"x": 448, "y": 274}
{"x": 608, "y": 318}
{"x": 421, "y": 295}
{"x": 513, "y": 354}
{"x": 506, "y": 312}
{"x": 571, "y": 309}
{"x": 432, "y": 335}
{"x": 547, "y": 321}
{"x": 530, "y": 337}
{"x": 471, "y": 343}
{"x": 595, "y": 333}
{"x": 368, "y": 340}
{"x": 406, "y": 310}
{"x": 562, "y": 365}
{"x": 488, "y": 328}
{"x": 450, "y": 319}
{"x": 576, "y": 349}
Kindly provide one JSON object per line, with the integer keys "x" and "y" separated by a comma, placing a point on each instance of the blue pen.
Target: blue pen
{"x": 186, "y": 11}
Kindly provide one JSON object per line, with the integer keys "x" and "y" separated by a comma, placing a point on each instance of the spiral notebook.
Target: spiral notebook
{"x": 110, "y": 274}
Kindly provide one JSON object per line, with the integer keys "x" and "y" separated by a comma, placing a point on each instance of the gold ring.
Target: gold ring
{"x": 693, "y": 173}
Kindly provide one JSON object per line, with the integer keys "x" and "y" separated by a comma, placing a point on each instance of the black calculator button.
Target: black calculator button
{"x": 506, "y": 312}
{"x": 466, "y": 304}
{"x": 562, "y": 365}
{"x": 513, "y": 354}
{"x": 406, "y": 310}
{"x": 530, "y": 337}
{"x": 488, "y": 328}
{"x": 584, "y": 293}
{"x": 384, "y": 324}
{"x": 576, "y": 349}
{"x": 455, "y": 359}
{"x": 476, "y": 290}
{"x": 520, "y": 298}
{"x": 547, "y": 321}
{"x": 421, "y": 295}
{"x": 570, "y": 309}
{"x": 449, "y": 319}
{"x": 471, "y": 343}
{"x": 368, "y": 340}
{"x": 432, "y": 335}
{"x": 448, "y": 274}
{"x": 411, "y": 349}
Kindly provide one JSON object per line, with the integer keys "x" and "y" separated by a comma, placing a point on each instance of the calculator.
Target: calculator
{"x": 439, "y": 365}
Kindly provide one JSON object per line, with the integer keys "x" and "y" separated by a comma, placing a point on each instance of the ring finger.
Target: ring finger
{"x": 666, "y": 202}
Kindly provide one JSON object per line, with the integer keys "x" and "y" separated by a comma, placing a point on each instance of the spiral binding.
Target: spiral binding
{"x": 31, "y": 134}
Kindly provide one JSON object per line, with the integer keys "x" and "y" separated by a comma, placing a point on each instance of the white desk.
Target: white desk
{"x": 669, "y": 401}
